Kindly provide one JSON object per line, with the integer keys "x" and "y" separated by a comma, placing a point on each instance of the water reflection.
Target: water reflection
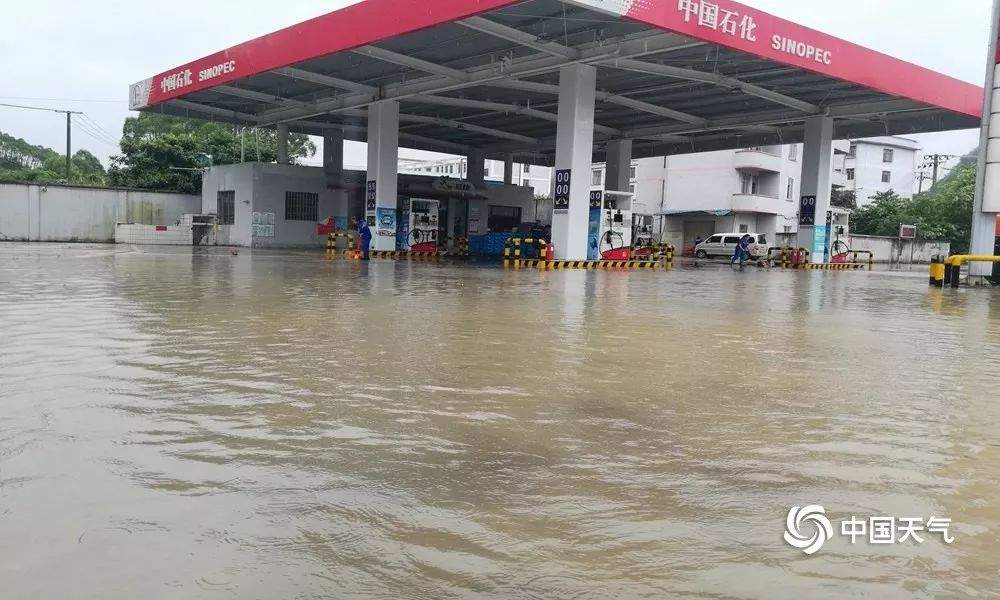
{"x": 183, "y": 424}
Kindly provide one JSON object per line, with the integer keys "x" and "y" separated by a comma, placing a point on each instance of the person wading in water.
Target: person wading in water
{"x": 365, "y": 232}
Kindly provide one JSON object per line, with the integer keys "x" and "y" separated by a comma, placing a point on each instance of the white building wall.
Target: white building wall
{"x": 539, "y": 179}
{"x": 236, "y": 178}
{"x": 261, "y": 187}
{"x": 868, "y": 166}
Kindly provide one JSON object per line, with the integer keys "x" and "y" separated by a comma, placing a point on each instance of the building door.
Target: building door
{"x": 695, "y": 229}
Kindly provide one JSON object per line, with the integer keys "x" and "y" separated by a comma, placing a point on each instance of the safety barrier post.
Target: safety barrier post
{"x": 350, "y": 252}
{"x": 512, "y": 253}
{"x": 937, "y": 271}
{"x": 953, "y": 266}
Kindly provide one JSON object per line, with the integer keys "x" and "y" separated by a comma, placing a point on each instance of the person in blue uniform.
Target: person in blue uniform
{"x": 365, "y": 232}
{"x": 742, "y": 253}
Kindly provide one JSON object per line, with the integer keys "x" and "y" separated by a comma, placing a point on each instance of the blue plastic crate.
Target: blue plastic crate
{"x": 491, "y": 244}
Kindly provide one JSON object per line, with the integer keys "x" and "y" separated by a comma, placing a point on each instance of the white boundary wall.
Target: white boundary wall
{"x": 52, "y": 213}
{"x": 892, "y": 250}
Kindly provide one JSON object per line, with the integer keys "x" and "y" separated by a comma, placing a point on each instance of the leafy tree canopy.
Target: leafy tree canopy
{"x": 942, "y": 213}
{"x": 162, "y": 153}
{"x": 21, "y": 161}
{"x": 844, "y": 199}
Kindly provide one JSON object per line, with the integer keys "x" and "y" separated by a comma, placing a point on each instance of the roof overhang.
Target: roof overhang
{"x": 676, "y": 76}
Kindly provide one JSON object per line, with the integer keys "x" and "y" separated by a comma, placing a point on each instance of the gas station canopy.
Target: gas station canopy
{"x": 675, "y": 76}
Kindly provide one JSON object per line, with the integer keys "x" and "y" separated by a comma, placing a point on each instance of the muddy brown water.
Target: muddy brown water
{"x": 192, "y": 424}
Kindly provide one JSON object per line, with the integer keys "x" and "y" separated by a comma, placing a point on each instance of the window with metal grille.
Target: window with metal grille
{"x": 302, "y": 206}
{"x": 226, "y": 207}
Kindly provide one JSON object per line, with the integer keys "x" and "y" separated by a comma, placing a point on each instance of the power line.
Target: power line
{"x": 96, "y": 131}
{"x": 78, "y": 100}
{"x": 95, "y": 134}
{"x": 935, "y": 162}
{"x": 98, "y": 126}
{"x": 69, "y": 130}
{"x": 41, "y": 108}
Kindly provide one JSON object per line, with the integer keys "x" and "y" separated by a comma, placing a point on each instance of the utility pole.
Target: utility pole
{"x": 69, "y": 130}
{"x": 923, "y": 177}
{"x": 935, "y": 162}
{"x": 69, "y": 145}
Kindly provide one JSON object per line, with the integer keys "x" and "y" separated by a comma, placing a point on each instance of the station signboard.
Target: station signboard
{"x": 561, "y": 199}
{"x": 807, "y": 211}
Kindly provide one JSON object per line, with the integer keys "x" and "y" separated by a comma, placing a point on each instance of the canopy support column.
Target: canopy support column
{"x": 574, "y": 160}
{"x": 477, "y": 168}
{"x": 817, "y": 165}
{"x": 383, "y": 176}
{"x": 987, "y": 202}
{"x": 333, "y": 168}
{"x": 282, "y": 144}
{"x": 508, "y": 169}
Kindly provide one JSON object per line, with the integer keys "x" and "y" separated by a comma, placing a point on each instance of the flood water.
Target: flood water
{"x": 192, "y": 424}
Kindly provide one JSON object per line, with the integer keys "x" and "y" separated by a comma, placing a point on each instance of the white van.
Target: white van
{"x": 724, "y": 244}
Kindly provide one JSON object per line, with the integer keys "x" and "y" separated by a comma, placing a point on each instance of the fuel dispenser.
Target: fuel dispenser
{"x": 610, "y": 225}
{"x": 642, "y": 231}
{"x": 421, "y": 219}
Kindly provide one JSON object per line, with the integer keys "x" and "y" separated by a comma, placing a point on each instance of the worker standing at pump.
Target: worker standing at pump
{"x": 742, "y": 251}
{"x": 365, "y": 233}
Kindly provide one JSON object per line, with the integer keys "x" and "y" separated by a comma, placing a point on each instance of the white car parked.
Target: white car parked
{"x": 724, "y": 244}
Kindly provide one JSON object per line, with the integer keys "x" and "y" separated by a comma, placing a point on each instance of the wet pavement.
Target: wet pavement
{"x": 192, "y": 424}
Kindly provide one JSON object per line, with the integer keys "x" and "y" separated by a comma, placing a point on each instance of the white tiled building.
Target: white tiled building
{"x": 538, "y": 178}
{"x": 881, "y": 164}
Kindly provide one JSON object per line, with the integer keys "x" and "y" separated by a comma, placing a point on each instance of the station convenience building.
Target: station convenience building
{"x": 548, "y": 83}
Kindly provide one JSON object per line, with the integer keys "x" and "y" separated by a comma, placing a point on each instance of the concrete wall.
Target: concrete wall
{"x": 51, "y": 213}
{"x": 154, "y": 235}
{"x": 892, "y": 250}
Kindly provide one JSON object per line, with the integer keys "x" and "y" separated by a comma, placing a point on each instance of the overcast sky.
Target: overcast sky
{"x": 83, "y": 55}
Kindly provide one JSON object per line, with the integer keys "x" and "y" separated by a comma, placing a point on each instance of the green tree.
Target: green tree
{"x": 881, "y": 216}
{"x": 844, "y": 199}
{"x": 17, "y": 154}
{"x": 161, "y": 152}
{"x": 942, "y": 213}
{"x": 21, "y": 161}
